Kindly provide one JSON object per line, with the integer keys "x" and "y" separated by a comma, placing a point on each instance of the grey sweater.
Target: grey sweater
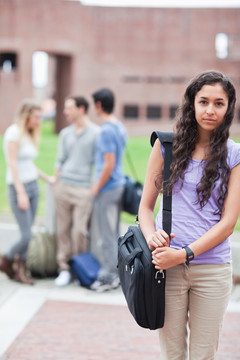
{"x": 76, "y": 154}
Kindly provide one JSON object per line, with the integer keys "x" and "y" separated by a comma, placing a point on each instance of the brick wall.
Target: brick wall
{"x": 145, "y": 55}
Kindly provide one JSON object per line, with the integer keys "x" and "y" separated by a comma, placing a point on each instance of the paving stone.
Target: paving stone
{"x": 78, "y": 331}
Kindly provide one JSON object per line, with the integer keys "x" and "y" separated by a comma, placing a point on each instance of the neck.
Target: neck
{"x": 204, "y": 137}
{"x": 108, "y": 118}
{"x": 81, "y": 123}
{"x": 203, "y": 143}
{"x": 202, "y": 149}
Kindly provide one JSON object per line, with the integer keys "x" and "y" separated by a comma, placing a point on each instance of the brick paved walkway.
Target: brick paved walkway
{"x": 63, "y": 330}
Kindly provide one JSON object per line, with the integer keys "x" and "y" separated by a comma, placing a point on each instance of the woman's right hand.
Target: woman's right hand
{"x": 52, "y": 180}
{"x": 159, "y": 239}
{"x": 23, "y": 201}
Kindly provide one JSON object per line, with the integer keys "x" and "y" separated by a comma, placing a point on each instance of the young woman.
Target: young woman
{"x": 20, "y": 149}
{"x": 204, "y": 180}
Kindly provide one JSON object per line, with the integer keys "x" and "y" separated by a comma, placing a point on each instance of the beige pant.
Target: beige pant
{"x": 196, "y": 300}
{"x": 73, "y": 210}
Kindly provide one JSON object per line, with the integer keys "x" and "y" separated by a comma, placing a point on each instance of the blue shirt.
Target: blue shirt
{"x": 112, "y": 139}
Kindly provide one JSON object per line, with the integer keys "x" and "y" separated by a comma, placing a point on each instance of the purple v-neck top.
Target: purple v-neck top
{"x": 189, "y": 222}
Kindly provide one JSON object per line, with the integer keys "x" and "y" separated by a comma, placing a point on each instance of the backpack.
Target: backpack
{"x": 132, "y": 195}
{"x": 41, "y": 259}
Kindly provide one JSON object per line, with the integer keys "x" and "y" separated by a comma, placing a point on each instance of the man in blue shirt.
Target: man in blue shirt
{"x": 108, "y": 188}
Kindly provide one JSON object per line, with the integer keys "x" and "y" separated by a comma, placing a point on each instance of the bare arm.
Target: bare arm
{"x": 164, "y": 258}
{"x": 23, "y": 201}
{"x": 47, "y": 178}
{"x": 150, "y": 193}
{"x": 109, "y": 164}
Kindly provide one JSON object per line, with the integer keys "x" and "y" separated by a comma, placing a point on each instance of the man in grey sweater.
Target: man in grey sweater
{"x": 73, "y": 197}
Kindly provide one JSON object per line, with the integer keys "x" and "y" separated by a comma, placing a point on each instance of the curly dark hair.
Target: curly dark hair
{"x": 186, "y": 137}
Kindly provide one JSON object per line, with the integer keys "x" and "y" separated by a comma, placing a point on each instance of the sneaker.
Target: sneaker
{"x": 101, "y": 286}
{"x": 63, "y": 279}
{"x": 77, "y": 282}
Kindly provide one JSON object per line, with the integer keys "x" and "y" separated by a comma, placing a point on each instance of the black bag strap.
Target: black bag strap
{"x": 166, "y": 139}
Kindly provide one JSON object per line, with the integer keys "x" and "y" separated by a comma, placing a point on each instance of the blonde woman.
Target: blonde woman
{"x": 20, "y": 150}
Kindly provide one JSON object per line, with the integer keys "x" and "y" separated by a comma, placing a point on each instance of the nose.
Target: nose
{"x": 210, "y": 109}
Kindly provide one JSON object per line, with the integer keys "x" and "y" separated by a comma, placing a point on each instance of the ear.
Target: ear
{"x": 81, "y": 110}
{"x": 98, "y": 105}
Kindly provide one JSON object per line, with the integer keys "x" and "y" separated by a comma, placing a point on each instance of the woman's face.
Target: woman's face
{"x": 34, "y": 120}
{"x": 210, "y": 104}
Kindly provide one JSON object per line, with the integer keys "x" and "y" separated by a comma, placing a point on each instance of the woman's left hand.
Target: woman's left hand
{"x": 166, "y": 257}
{"x": 23, "y": 201}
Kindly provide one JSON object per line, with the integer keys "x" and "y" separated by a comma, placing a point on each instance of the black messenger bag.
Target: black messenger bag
{"x": 144, "y": 286}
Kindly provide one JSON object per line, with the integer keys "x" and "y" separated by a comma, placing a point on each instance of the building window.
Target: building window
{"x": 221, "y": 46}
{"x": 8, "y": 62}
{"x": 40, "y": 69}
{"x": 172, "y": 111}
{"x": 131, "y": 111}
{"x": 154, "y": 112}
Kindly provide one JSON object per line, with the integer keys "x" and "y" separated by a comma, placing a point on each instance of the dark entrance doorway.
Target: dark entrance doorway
{"x": 63, "y": 87}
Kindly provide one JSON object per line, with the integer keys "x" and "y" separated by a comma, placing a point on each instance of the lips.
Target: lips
{"x": 209, "y": 120}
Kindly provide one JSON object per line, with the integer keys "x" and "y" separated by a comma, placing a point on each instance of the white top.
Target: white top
{"x": 27, "y": 153}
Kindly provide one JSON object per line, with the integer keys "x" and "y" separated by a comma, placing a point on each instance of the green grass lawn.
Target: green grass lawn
{"x": 138, "y": 147}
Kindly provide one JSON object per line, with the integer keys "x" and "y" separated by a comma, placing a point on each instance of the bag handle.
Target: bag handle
{"x": 166, "y": 139}
{"x": 128, "y": 254}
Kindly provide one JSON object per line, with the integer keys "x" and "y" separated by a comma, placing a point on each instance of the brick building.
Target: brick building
{"x": 146, "y": 55}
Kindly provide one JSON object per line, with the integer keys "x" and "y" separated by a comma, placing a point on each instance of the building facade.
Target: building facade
{"x": 145, "y": 55}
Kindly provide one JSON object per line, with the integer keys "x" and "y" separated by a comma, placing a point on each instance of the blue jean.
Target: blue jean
{"x": 25, "y": 218}
{"x": 106, "y": 211}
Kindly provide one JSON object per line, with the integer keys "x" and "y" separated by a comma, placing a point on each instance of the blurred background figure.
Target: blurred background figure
{"x": 20, "y": 150}
{"x": 73, "y": 197}
{"x": 108, "y": 188}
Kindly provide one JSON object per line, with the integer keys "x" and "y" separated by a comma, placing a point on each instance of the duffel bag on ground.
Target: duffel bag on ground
{"x": 85, "y": 268}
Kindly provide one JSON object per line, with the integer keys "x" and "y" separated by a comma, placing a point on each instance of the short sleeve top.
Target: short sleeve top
{"x": 112, "y": 139}
{"x": 27, "y": 152}
{"x": 189, "y": 221}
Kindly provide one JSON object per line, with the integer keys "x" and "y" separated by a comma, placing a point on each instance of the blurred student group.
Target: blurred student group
{"x": 87, "y": 186}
